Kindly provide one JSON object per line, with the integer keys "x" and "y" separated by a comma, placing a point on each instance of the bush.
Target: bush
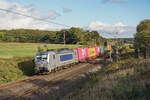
{"x": 134, "y": 85}
{"x": 15, "y": 68}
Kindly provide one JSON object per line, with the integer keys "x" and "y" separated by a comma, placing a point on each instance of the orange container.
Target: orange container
{"x": 109, "y": 47}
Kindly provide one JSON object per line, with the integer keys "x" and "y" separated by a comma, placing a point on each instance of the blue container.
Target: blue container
{"x": 66, "y": 57}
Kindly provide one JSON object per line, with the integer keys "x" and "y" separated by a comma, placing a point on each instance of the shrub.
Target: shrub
{"x": 15, "y": 68}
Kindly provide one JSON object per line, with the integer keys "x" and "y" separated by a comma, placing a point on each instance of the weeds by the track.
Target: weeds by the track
{"x": 15, "y": 68}
{"x": 125, "y": 80}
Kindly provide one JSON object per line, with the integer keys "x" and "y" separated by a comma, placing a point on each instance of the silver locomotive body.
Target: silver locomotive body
{"x": 51, "y": 60}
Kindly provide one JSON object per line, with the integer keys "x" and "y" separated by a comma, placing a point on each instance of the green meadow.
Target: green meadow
{"x": 9, "y": 50}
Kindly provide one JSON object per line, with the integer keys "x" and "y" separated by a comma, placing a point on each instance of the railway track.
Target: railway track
{"x": 32, "y": 87}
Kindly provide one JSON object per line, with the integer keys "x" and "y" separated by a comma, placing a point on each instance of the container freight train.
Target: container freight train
{"x": 46, "y": 62}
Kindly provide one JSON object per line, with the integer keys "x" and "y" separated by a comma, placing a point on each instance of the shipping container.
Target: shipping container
{"x": 82, "y": 53}
{"x": 108, "y": 47}
{"x": 86, "y": 52}
{"x": 98, "y": 50}
{"x": 91, "y": 52}
{"x": 102, "y": 49}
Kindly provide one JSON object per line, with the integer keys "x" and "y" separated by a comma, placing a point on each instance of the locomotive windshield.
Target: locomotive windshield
{"x": 41, "y": 56}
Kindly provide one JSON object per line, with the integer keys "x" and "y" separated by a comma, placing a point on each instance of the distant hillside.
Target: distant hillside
{"x": 125, "y": 40}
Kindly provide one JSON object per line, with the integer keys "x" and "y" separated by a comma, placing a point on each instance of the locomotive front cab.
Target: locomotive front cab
{"x": 41, "y": 62}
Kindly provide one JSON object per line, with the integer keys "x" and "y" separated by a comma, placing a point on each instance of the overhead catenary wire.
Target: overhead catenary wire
{"x": 36, "y": 18}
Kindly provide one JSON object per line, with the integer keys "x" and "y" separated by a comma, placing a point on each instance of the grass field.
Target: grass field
{"x": 9, "y": 50}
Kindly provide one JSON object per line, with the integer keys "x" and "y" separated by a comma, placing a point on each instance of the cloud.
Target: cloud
{"x": 67, "y": 10}
{"x": 13, "y": 21}
{"x": 118, "y": 29}
{"x": 52, "y": 15}
{"x": 112, "y": 1}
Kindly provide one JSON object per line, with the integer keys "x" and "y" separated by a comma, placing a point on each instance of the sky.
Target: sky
{"x": 109, "y": 17}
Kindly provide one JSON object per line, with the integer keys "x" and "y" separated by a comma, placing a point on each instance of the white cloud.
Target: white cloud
{"x": 13, "y": 21}
{"x": 52, "y": 15}
{"x": 119, "y": 28}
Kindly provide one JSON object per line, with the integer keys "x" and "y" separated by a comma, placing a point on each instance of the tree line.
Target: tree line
{"x": 73, "y": 36}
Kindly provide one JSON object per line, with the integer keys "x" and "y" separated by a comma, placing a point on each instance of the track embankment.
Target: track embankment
{"x": 54, "y": 85}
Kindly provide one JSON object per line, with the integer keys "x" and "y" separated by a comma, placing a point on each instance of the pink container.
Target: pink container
{"x": 82, "y": 53}
{"x": 98, "y": 50}
{"x": 86, "y": 52}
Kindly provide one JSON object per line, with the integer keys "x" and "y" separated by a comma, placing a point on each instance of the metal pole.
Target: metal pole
{"x": 110, "y": 55}
{"x": 147, "y": 53}
{"x": 116, "y": 47}
{"x": 64, "y": 38}
{"x": 95, "y": 42}
{"x": 138, "y": 51}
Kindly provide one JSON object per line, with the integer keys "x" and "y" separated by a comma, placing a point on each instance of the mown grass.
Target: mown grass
{"x": 9, "y": 50}
{"x": 130, "y": 80}
{"x": 15, "y": 68}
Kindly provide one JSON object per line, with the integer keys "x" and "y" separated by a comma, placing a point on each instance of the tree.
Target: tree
{"x": 78, "y": 34}
{"x": 144, "y": 26}
{"x": 70, "y": 37}
{"x": 142, "y": 37}
{"x": 2, "y": 35}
